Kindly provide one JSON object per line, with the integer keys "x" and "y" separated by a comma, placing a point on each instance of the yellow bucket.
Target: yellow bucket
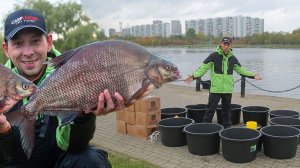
{"x": 251, "y": 125}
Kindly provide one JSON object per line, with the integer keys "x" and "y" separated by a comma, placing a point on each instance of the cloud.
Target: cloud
{"x": 278, "y": 16}
{"x": 5, "y": 8}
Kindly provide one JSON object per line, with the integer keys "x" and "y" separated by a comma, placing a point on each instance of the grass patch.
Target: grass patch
{"x": 119, "y": 160}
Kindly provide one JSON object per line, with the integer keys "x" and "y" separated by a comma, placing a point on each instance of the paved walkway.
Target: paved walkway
{"x": 107, "y": 137}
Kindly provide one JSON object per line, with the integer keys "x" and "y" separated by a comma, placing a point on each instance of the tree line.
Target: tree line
{"x": 71, "y": 28}
{"x": 265, "y": 39}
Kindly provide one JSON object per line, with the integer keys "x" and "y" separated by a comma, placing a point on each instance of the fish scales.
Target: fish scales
{"x": 82, "y": 77}
{"x": 82, "y": 74}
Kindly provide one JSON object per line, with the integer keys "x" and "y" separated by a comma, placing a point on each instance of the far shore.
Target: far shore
{"x": 270, "y": 46}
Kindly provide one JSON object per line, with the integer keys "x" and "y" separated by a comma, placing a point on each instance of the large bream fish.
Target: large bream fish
{"x": 13, "y": 88}
{"x": 82, "y": 73}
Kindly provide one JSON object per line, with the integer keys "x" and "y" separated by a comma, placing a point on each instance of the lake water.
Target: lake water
{"x": 280, "y": 68}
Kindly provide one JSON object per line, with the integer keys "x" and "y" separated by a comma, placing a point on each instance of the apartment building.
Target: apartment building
{"x": 234, "y": 26}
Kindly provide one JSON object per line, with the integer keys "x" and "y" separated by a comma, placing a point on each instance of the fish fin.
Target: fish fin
{"x": 66, "y": 116}
{"x": 139, "y": 94}
{"x": 6, "y": 104}
{"x": 26, "y": 127}
{"x": 57, "y": 62}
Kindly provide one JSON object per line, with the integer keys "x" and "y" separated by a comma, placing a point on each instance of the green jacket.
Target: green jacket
{"x": 221, "y": 67}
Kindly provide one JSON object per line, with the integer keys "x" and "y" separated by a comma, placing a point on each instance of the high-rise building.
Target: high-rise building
{"x": 166, "y": 30}
{"x": 176, "y": 27}
{"x": 158, "y": 28}
{"x": 234, "y": 26}
{"x": 111, "y": 32}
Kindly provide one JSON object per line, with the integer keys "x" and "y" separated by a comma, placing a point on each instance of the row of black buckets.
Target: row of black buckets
{"x": 239, "y": 144}
{"x": 197, "y": 111}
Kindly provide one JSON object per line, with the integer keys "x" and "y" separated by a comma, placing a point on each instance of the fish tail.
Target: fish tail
{"x": 26, "y": 127}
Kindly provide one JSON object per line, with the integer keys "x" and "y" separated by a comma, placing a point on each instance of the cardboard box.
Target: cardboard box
{"x": 140, "y": 131}
{"x": 121, "y": 127}
{"x": 147, "y": 104}
{"x": 120, "y": 115}
{"x": 147, "y": 119}
{"x": 131, "y": 107}
{"x": 130, "y": 115}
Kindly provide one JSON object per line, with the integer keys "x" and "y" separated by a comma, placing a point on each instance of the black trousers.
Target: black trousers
{"x": 90, "y": 157}
{"x": 213, "y": 100}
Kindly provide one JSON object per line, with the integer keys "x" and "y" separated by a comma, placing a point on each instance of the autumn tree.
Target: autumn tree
{"x": 67, "y": 22}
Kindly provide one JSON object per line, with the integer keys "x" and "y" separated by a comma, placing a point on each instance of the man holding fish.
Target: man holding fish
{"x": 28, "y": 45}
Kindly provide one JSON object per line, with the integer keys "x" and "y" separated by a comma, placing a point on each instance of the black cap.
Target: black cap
{"x": 21, "y": 19}
{"x": 226, "y": 40}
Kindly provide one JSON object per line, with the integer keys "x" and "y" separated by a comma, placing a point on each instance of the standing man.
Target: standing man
{"x": 28, "y": 45}
{"x": 221, "y": 63}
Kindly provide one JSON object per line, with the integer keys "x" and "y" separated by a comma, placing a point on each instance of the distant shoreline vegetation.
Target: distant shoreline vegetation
{"x": 193, "y": 40}
{"x": 271, "y": 46}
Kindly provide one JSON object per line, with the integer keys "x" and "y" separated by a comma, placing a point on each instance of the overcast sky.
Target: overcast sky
{"x": 279, "y": 15}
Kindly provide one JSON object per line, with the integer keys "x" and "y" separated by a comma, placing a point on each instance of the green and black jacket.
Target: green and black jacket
{"x": 221, "y": 67}
{"x": 52, "y": 139}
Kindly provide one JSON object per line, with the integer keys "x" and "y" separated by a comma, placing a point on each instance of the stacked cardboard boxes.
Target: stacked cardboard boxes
{"x": 141, "y": 118}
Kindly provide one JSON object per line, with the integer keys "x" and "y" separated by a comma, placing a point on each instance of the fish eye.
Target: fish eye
{"x": 169, "y": 68}
{"x": 25, "y": 86}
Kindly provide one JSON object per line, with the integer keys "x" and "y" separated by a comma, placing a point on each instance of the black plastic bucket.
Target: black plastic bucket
{"x": 284, "y": 113}
{"x": 239, "y": 145}
{"x": 256, "y": 113}
{"x": 171, "y": 131}
{"x": 280, "y": 141}
{"x": 259, "y": 145}
{"x": 196, "y": 112}
{"x": 235, "y": 114}
{"x": 203, "y": 138}
{"x": 173, "y": 112}
{"x": 288, "y": 121}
